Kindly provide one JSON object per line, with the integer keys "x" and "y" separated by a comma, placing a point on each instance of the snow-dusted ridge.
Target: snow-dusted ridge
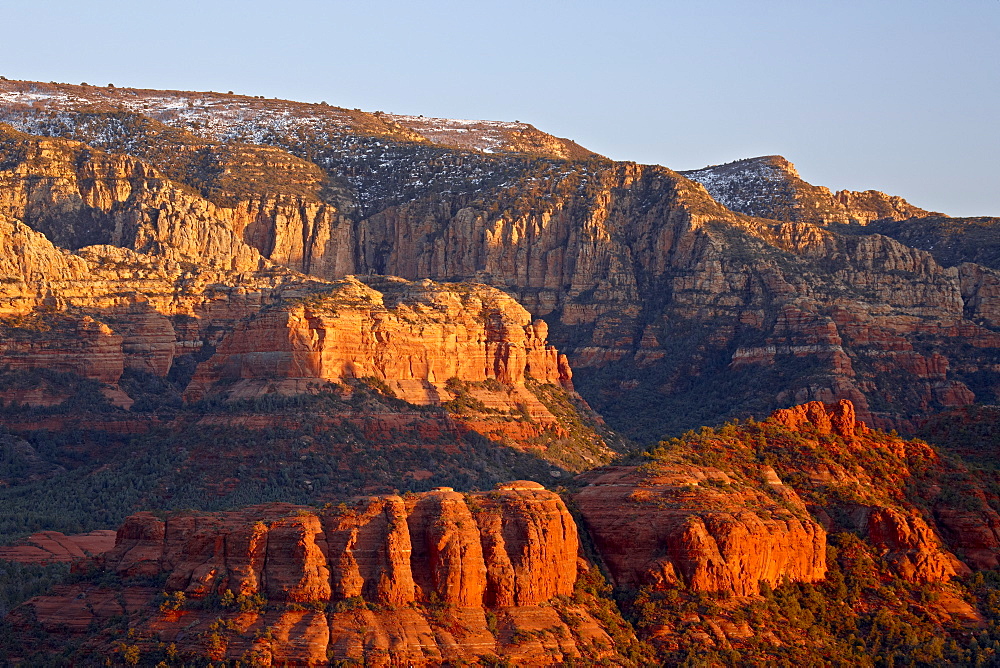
{"x": 227, "y": 117}
{"x": 737, "y": 185}
{"x": 486, "y": 136}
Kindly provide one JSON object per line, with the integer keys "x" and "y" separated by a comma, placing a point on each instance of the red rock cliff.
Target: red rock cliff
{"x": 414, "y": 337}
{"x": 762, "y": 509}
{"x": 700, "y": 528}
{"x": 432, "y": 577}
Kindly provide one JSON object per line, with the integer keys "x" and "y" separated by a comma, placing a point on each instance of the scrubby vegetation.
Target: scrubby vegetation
{"x": 19, "y": 582}
{"x": 951, "y": 241}
{"x": 861, "y": 615}
{"x": 307, "y": 448}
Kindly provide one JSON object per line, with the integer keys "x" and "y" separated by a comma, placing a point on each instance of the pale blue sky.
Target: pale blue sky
{"x": 901, "y": 96}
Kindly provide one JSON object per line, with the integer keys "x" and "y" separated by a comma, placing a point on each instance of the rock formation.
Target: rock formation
{"x": 876, "y": 468}
{"x": 674, "y": 522}
{"x": 698, "y": 529}
{"x": 426, "y": 578}
{"x": 655, "y": 291}
{"x": 154, "y": 302}
{"x": 414, "y": 337}
{"x": 104, "y": 310}
{"x": 46, "y": 547}
{"x": 516, "y": 545}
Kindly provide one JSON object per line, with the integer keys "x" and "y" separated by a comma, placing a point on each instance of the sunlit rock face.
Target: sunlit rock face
{"x": 431, "y": 577}
{"x": 770, "y": 187}
{"x": 674, "y": 522}
{"x": 415, "y": 337}
{"x": 656, "y": 291}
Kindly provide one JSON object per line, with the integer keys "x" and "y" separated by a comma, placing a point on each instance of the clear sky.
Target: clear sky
{"x": 895, "y": 95}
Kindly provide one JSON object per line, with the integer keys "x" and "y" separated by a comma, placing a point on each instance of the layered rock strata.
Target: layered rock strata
{"x": 46, "y": 547}
{"x": 104, "y": 309}
{"x": 417, "y": 338}
{"x": 425, "y": 579}
{"x": 698, "y": 529}
{"x": 623, "y": 261}
{"x": 104, "y": 313}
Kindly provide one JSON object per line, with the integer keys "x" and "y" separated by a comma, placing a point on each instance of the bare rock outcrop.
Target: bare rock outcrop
{"x": 79, "y": 197}
{"x": 518, "y": 543}
{"x": 698, "y": 528}
{"x": 838, "y": 419}
{"x": 679, "y": 522}
{"x": 419, "y": 339}
{"x": 907, "y": 541}
{"x": 46, "y": 547}
{"x": 431, "y": 577}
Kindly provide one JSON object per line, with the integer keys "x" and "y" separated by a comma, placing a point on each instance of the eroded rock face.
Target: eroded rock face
{"x": 699, "y": 528}
{"x": 974, "y": 534}
{"x": 106, "y": 309}
{"x": 823, "y": 419}
{"x": 677, "y": 523}
{"x": 80, "y": 197}
{"x": 103, "y": 309}
{"x": 428, "y": 577}
{"x": 626, "y": 259}
{"x": 46, "y": 547}
{"x": 641, "y": 259}
{"x": 911, "y": 545}
{"x": 415, "y": 337}
{"x": 518, "y": 543}
{"x": 876, "y": 467}
{"x": 83, "y": 346}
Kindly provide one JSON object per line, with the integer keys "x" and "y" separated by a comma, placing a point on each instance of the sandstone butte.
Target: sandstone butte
{"x": 672, "y": 522}
{"x": 674, "y": 527}
{"x": 420, "y": 579}
{"x": 412, "y": 336}
{"x": 626, "y": 258}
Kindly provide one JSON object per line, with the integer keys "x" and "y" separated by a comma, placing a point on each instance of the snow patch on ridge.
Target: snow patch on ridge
{"x": 747, "y": 186}
{"x": 486, "y": 136}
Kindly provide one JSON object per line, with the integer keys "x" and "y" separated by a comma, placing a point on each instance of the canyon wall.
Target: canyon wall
{"x": 658, "y": 294}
